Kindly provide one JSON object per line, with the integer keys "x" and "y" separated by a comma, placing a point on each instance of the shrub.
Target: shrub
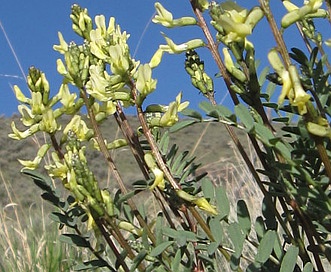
{"x": 191, "y": 230}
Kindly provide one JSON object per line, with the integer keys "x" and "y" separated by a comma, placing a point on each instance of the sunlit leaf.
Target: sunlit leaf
{"x": 237, "y": 237}
{"x": 308, "y": 267}
{"x": 223, "y": 206}
{"x": 289, "y": 259}
{"x": 216, "y": 229}
{"x": 207, "y": 188}
{"x": 245, "y": 116}
{"x": 266, "y": 246}
{"x": 160, "y": 248}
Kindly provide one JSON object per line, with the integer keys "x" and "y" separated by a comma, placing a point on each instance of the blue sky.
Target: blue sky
{"x": 32, "y": 28}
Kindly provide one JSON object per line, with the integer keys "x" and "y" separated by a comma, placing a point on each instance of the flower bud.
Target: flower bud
{"x": 109, "y": 203}
{"x": 232, "y": 69}
{"x": 131, "y": 228}
{"x": 318, "y": 130}
{"x": 157, "y": 57}
{"x": 203, "y": 5}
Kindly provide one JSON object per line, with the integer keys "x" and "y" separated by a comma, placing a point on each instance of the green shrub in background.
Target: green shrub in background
{"x": 191, "y": 230}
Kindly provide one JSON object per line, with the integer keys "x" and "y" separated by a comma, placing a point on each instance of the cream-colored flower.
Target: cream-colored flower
{"x": 145, "y": 84}
{"x": 165, "y": 18}
{"x": 310, "y": 8}
{"x": 237, "y": 22}
{"x": 204, "y": 205}
{"x": 300, "y": 97}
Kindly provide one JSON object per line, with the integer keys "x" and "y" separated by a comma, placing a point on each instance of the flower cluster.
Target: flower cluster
{"x": 310, "y": 9}
{"x": 36, "y": 112}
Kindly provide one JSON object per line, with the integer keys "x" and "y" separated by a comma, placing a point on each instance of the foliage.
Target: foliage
{"x": 192, "y": 231}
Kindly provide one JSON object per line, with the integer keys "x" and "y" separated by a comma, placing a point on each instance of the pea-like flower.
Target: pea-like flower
{"x": 79, "y": 127}
{"x": 173, "y": 48}
{"x": 119, "y": 59}
{"x": 292, "y": 88}
{"x": 67, "y": 99}
{"x": 170, "y": 117}
{"x": 62, "y": 48}
{"x": 300, "y": 97}
{"x": 28, "y": 119}
{"x": 40, "y": 155}
{"x": 19, "y": 135}
{"x": 98, "y": 83}
{"x": 235, "y": 22}
{"x": 48, "y": 122}
{"x": 158, "y": 174}
{"x": 145, "y": 84}
{"x": 201, "y": 202}
{"x": 204, "y": 205}
{"x": 165, "y": 18}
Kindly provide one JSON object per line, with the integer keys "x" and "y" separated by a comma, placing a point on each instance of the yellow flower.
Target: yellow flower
{"x": 171, "y": 115}
{"x": 48, "y": 122}
{"x": 19, "y": 95}
{"x": 18, "y": 135}
{"x": 201, "y": 202}
{"x": 204, "y": 205}
{"x": 237, "y": 22}
{"x": 296, "y": 14}
{"x": 63, "y": 47}
{"x": 40, "y": 155}
{"x": 145, "y": 84}
{"x": 300, "y": 97}
{"x": 164, "y": 17}
{"x": 79, "y": 127}
{"x": 158, "y": 174}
